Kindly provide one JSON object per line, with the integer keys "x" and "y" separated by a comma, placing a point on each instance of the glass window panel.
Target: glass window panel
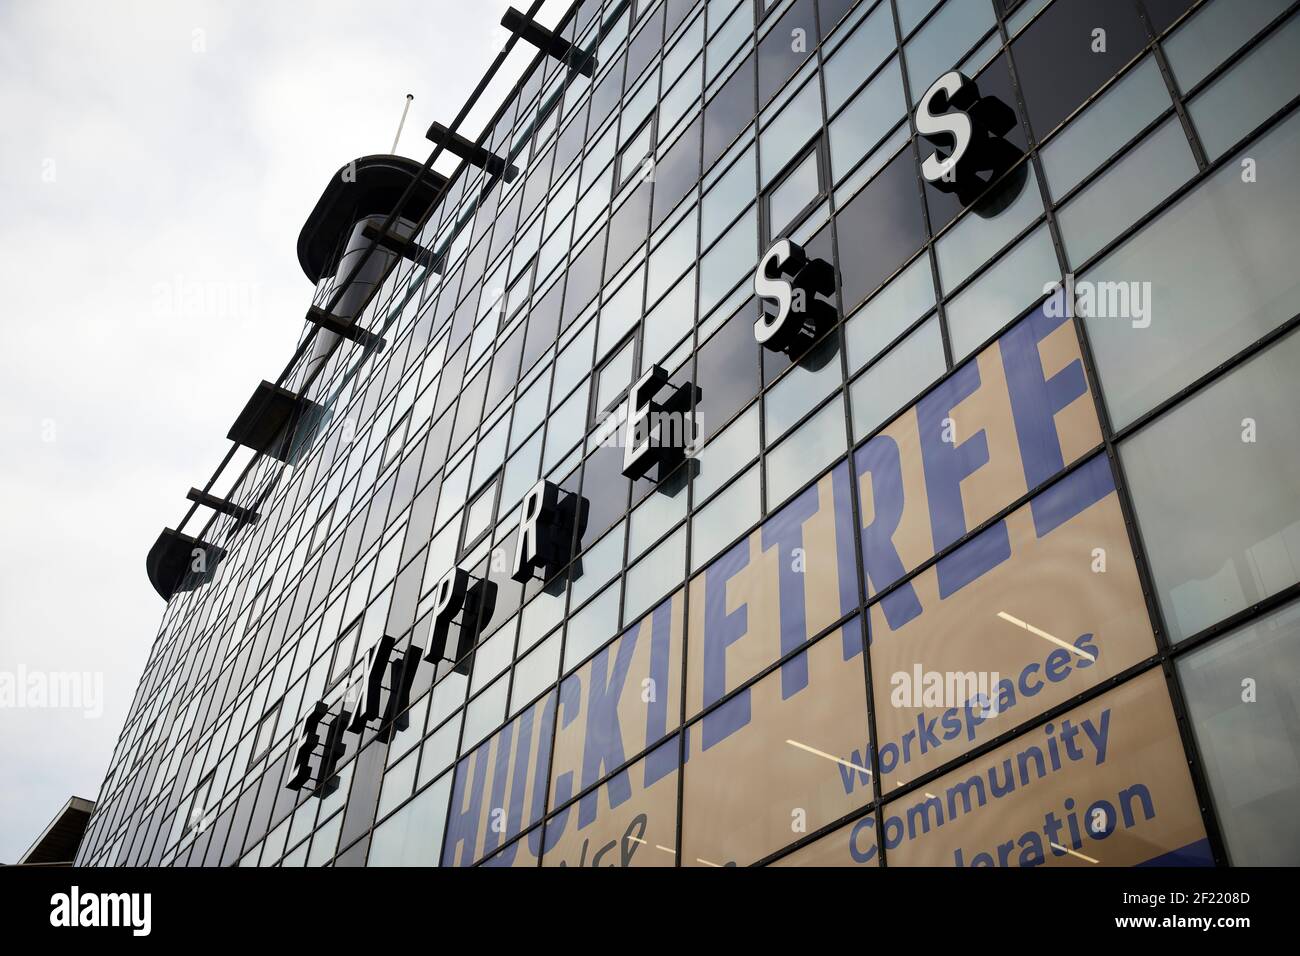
{"x": 793, "y": 194}
{"x": 672, "y": 256}
{"x": 879, "y": 228}
{"x": 584, "y": 270}
{"x": 491, "y": 658}
{"x": 723, "y": 519}
{"x": 439, "y": 750}
{"x": 536, "y": 672}
{"x": 729, "y": 112}
{"x": 669, "y": 321}
{"x": 413, "y": 836}
{"x": 943, "y": 40}
{"x": 691, "y": 40}
{"x": 1250, "y": 92}
{"x": 727, "y": 371}
{"x": 729, "y": 261}
{"x": 620, "y": 313}
{"x": 448, "y": 694}
{"x": 654, "y": 575}
{"x": 815, "y": 376}
{"x": 565, "y": 427}
{"x": 1163, "y": 13}
{"x": 677, "y": 102}
{"x": 1060, "y": 62}
{"x": 870, "y": 115}
{"x": 728, "y": 196}
{"x": 871, "y": 41}
{"x": 912, "y": 12}
{"x": 645, "y": 46}
{"x": 815, "y": 444}
{"x": 897, "y": 378}
{"x": 398, "y": 783}
{"x": 603, "y": 484}
{"x": 1002, "y": 292}
{"x": 521, "y": 473}
{"x": 543, "y": 323}
{"x": 634, "y": 153}
{"x": 783, "y": 138}
{"x": 1100, "y": 130}
{"x": 615, "y": 376}
{"x": 1212, "y": 34}
{"x": 1214, "y": 487}
{"x": 597, "y": 565}
{"x": 676, "y": 173}
{"x": 574, "y": 362}
{"x": 530, "y": 409}
{"x": 539, "y": 616}
{"x": 981, "y": 232}
{"x": 727, "y": 453}
{"x": 830, "y": 13}
{"x": 851, "y": 845}
{"x": 454, "y": 488}
{"x": 484, "y": 714}
{"x": 1248, "y": 740}
{"x": 628, "y": 227}
{"x": 735, "y": 33}
{"x": 785, "y": 47}
{"x": 658, "y": 512}
{"x": 1209, "y": 276}
{"x": 1141, "y": 180}
{"x": 592, "y": 626}
{"x": 908, "y": 297}
{"x": 629, "y": 820}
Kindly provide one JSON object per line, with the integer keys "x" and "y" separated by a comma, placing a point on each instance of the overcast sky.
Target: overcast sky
{"x": 157, "y": 160}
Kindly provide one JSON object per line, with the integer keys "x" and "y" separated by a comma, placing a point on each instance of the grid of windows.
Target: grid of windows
{"x": 1152, "y": 156}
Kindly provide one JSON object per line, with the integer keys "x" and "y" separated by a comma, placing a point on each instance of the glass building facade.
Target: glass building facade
{"x": 1048, "y": 437}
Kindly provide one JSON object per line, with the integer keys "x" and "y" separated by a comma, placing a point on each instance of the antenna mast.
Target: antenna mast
{"x": 402, "y": 122}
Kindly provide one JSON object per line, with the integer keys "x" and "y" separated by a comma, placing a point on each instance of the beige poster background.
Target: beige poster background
{"x": 501, "y": 755}
{"x": 1149, "y": 805}
{"x": 634, "y": 701}
{"x": 851, "y": 845}
{"x": 1002, "y": 479}
{"x": 781, "y": 775}
{"x": 640, "y": 831}
{"x": 1050, "y": 584}
{"x": 757, "y": 588}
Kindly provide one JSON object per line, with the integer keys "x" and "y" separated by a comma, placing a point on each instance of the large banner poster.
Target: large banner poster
{"x": 622, "y": 702}
{"x": 1033, "y": 610}
{"x": 1105, "y": 784}
{"x": 1047, "y": 618}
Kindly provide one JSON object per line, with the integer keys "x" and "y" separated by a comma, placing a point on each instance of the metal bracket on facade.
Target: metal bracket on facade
{"x": 403, "y": 246}
{"x": 223, "y": 506}
{"x": 343, "y": 328}
{"x": 530, "y": 31}
{"x": 473, "y": 154}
